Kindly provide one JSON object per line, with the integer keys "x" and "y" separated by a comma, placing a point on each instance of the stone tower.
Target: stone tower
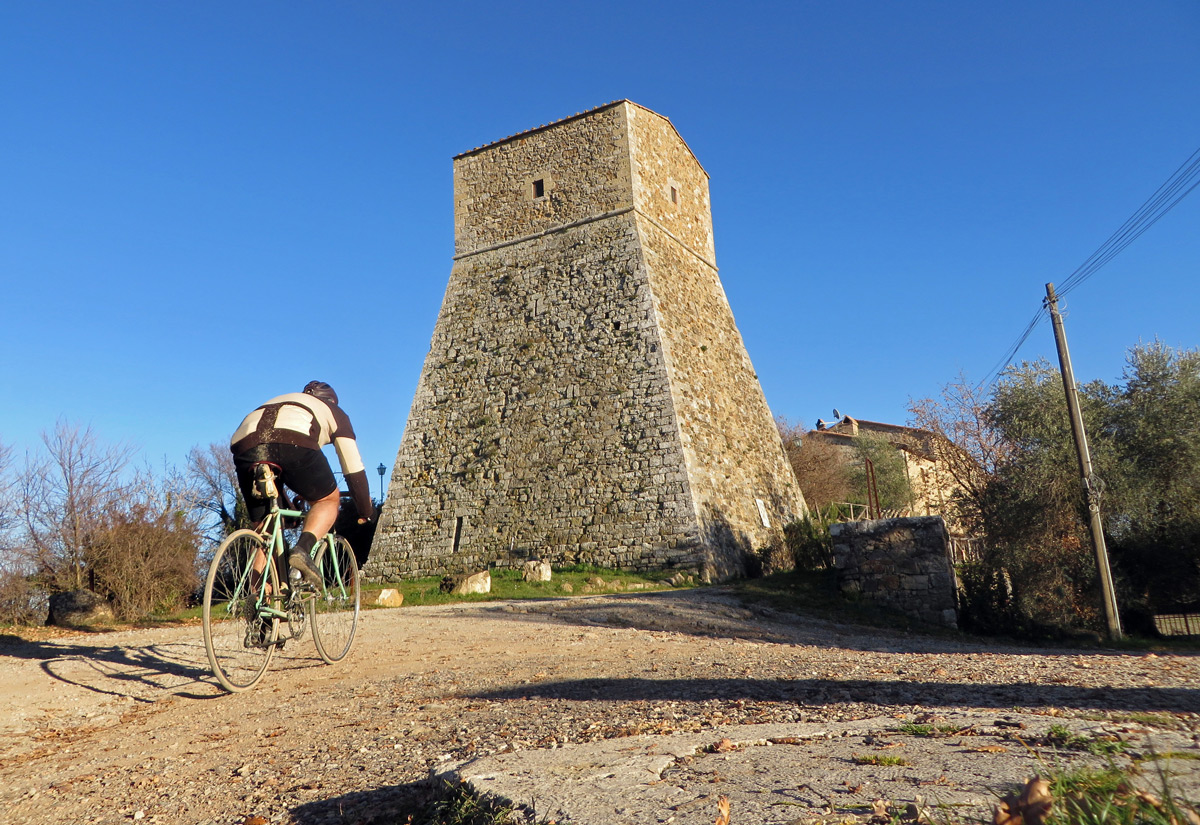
{"x": 587, "y": 397}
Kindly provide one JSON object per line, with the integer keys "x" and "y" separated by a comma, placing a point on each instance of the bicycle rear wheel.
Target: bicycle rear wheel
{"x": 239, "y": 643}
{"x": 335, "y": 609}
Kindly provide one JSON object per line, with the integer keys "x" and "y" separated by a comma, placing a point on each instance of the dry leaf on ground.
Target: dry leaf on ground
{"x": 723, "y": 810}
{"x": 1030, "y": 808}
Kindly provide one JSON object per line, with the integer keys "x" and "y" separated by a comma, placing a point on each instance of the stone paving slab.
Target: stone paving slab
{"x": 793, "y": 773}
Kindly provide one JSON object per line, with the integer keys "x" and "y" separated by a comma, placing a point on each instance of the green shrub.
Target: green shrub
{"x": 810, "y": 544}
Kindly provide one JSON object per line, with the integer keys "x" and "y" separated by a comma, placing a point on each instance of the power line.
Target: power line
{"x": 1011, "y": 352}
{"x": 1177, "y": 187}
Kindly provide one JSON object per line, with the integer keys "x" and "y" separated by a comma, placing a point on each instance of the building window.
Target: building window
{"x": 539, "y": 188}
{"x": 458, "y": 528}
{"x": 674, "y": 195}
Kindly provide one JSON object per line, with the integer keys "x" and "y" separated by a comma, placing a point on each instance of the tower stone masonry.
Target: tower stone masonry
{"x": 587, "y": 397}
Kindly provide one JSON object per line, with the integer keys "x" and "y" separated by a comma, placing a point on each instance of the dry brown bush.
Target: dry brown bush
{"x": 819, "y": 467}
{"x": 145, "y": 559}
{"x": 21, "y": 601}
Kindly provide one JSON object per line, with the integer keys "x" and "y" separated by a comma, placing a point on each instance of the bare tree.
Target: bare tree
{"x": 819, "y": 466}
{"x": 966, "y": 444}
{"x": 64, "y": 496}
{"x": 6, "y": 485}
{"x": 211, "y": 476}
{"x": 8, "y": 518}
{"x": 20, "y": 601}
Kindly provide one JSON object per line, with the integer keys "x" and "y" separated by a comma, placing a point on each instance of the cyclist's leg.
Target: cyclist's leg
{"x": 257, "y": 569}
{"x": 244, "y": 464}
{"x": 256, "y": 506}
{"x": 307, "y": 472}
{"x": 322, "y": 514}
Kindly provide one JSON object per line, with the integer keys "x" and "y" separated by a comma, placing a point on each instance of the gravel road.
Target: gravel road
{"x": 130, "y": 726}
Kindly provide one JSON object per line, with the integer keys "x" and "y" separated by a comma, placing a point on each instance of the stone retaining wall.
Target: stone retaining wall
{"x": 900, "y": 563}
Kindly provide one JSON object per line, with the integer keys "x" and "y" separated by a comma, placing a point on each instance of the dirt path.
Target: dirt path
{"x": 127, "y": 727}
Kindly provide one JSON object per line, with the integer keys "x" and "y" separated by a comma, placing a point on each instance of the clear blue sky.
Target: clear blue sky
{"x": 206, "y": 204}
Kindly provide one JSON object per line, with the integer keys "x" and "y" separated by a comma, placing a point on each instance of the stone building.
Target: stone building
{"x": 932, "y": 484}
{"x": 587, "y": 397}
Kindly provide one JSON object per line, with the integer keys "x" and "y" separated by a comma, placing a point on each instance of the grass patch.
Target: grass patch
{"x": 1168, "y": 755}
{"x": 577, "y": 580}
{"x": 1108, "y": 797}
{"x": 458, "y": 804}
{"x": 1061, "y": 737}
{"x": 816, "y": 594}
{"x": 879, "y": 760}
{"x": 913, "y": 729}
{"x": 1155, "y": 720}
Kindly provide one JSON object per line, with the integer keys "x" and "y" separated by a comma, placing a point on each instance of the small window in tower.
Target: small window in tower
{"x": 674, "y": 195}
{"x": 458, "y": 528}
{"x": 539, "y": 188}
{"x": 616, "y": 324}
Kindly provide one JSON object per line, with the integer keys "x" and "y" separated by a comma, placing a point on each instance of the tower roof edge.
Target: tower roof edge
{"x": 576, "y": 116}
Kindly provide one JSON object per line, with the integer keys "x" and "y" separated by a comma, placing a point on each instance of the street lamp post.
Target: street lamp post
{"x": 381, "y": 470}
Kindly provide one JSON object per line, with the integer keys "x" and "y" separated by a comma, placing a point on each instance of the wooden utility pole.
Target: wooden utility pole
{"x": 1091, "y": 484}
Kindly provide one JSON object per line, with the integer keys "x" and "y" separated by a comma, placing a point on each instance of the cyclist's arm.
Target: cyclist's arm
{"x": 340, "y": 432}
{"x": 356, "y": 476}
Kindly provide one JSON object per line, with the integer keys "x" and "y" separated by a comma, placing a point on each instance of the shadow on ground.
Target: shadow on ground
{"x": 817, "y": 692}
{"x": 144, "y": 674}
{"x": 717, "y": 612}
{"x": 380, "y": 806}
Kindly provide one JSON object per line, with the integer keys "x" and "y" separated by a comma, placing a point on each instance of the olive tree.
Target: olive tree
{"x": 1152, "y": 505}
{"x": 1038, "y": 571}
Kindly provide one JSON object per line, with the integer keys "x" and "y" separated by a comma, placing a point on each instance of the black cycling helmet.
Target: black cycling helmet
{"x": 319, "y": 389}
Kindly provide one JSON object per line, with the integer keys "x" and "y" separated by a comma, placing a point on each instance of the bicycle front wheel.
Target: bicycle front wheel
{"x": 335, "y": 609}
{"x": 239, "y": 642}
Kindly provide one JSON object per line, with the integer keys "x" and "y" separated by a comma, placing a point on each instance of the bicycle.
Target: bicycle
{"x": 247, "y": 607}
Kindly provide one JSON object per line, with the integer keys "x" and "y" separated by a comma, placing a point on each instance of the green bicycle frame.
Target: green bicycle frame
{"x": 272, "y": 532}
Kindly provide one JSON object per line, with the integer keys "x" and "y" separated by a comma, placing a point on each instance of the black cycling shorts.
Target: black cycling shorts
{"x": 305, "y": 472}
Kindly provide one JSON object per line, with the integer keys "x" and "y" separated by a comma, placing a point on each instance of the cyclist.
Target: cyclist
{"x": 288, "y": 432}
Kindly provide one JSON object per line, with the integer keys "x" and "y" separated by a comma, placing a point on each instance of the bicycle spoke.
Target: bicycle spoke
{"x": 335, "y": 608}
{"x": 239, "y": 641}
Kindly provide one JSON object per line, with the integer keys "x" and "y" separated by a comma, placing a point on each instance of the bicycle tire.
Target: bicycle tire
{"x": 238, "y": 652}
{"x": 334, "y": 611}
